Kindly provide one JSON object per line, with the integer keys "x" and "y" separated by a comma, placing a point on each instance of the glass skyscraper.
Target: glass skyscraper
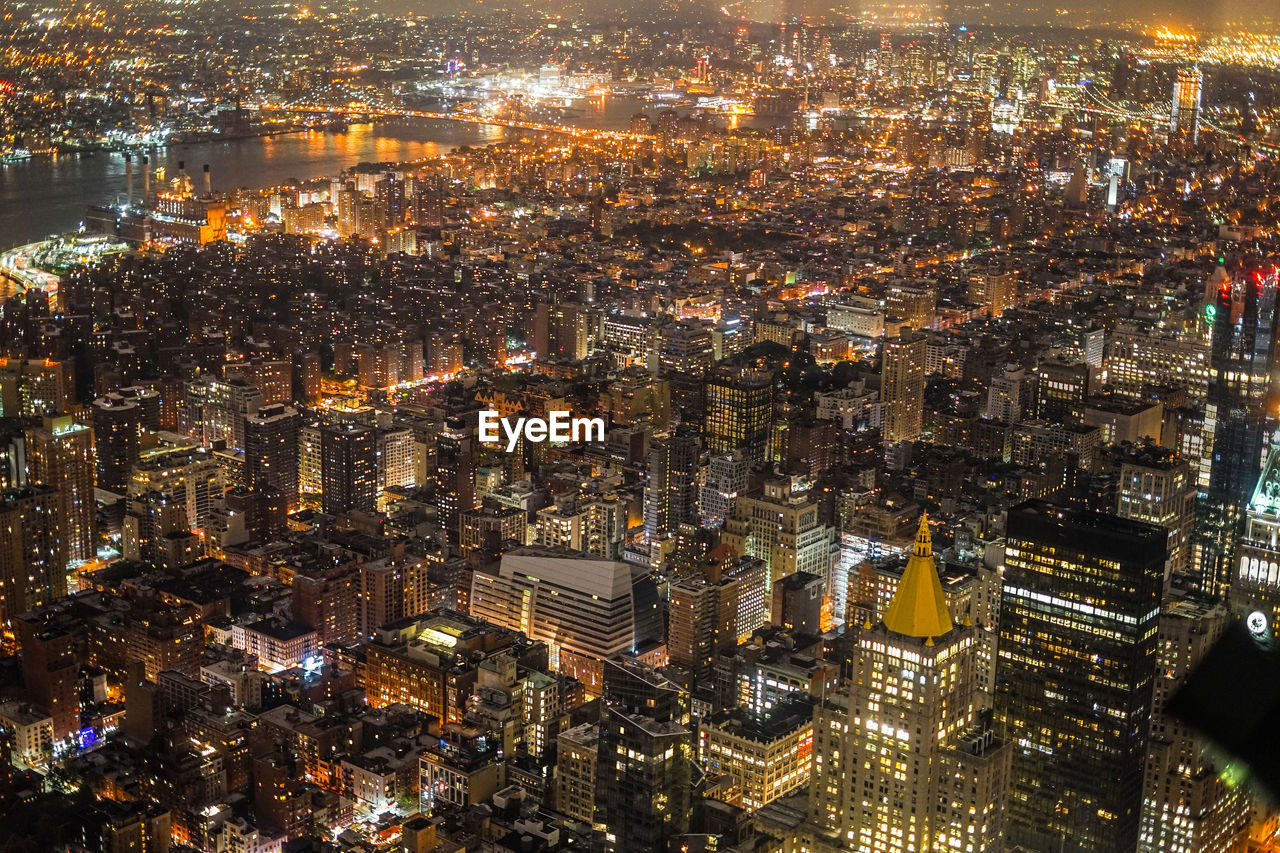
{"x": 1079, "y": 615}
{"x": 1235, "y": 420}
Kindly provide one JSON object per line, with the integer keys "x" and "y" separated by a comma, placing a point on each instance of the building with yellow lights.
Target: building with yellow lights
{"x": 906, "y": 759}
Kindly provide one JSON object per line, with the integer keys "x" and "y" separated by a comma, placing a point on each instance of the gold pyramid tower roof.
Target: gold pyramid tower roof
{"x": 918, "y": 608}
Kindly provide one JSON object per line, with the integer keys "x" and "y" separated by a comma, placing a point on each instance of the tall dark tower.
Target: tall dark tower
{"x": 643, "y": 793}
{"x": 117, "y": 428}
{"x": 271, "y": 451}
{"x": 348, "y": 468}
{"x": 456, "y": 465}
{"x": 1079, "y": 613}
{"x": 1242, "y": 359}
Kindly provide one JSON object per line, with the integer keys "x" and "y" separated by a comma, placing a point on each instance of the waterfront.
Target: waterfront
{"x": 44, "y": 196}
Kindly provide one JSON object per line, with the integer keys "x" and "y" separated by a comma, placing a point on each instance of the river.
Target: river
{"x": 44, "y": 196}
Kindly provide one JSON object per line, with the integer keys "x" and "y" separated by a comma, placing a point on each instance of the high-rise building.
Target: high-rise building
{"x": 797, "y": 603}
{"x": 33, "y": 553}
{"x": 35, "y": 387}
{"x": 586, "y": 610}
{"x": 1184, "y": 117}
{"x": 993, "y": 289}
{"x": 671, "y": 487}
{"x": 739, "y": 406}
{"x": 397, "y": 460}
{"x": 224, "y": 406}
{"x": 1187, "y": 805}
{"x": 902, "y": 386}
{"x": 60, "y": 455}
{"x": 1008, "y": 395}
{"x": 906, "y": 759}
{"x": 1235, "y": 420}
{"x": 702, "y": 623}
{"x": 51, "y": 666}
{"x": 577, "y": 750}
{"x": 782, "y": 526}
{"x": 456, "y": 465}
{"x": 727, "y": 477}
{"x": 348, "y": 468}
{"x": 1158, "y": 486}
{"x": 1077, "y": 663}
{"x": 595, "y": 525}
{"x": 1061, "y": 389}
{"x": 117, "y": 431}
{"x": 271, "y": 457}
{"x": 765, "y": 755}
{"x": 1255, "y": 577}
{"x": 645, "y": 764}
{"x": 561, "y": 331}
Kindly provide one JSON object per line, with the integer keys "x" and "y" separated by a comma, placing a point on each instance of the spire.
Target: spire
{"x": 918, "y": 608}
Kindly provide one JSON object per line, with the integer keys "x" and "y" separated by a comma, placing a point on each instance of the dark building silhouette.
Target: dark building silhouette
{"x": 348, "y": 468}
{"x": 1079, "y": 614}
{"x": 644, "y": 769}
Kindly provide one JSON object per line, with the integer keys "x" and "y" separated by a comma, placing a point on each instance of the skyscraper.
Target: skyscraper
{"x": 1184, "y": 118}
{"x": 1187, "y": 805}
{"x": 1235, "y": 420}
{"x": 348, "y": 468}
{"x": 782, "y": 525}
{"x": 456, "y": 465}
{"x": 702, "y": 623}
{"x": 117, "y": 430}
{"x": 646, "y": 753}
{"x": 739, "y": 412}
{"x": 906, "y": 759}
{"x": 32, "y": 552}
{"x": 1077, "y": 661}
{"x": 902, "y": 386}
{"x": 1255, "y": 576}
{"x": 60, "y": 455}
{"x": 671, "y": 490}
{"x": 271, "y": 451}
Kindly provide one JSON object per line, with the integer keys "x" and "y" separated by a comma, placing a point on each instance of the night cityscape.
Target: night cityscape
{"x": 770, "y": 427}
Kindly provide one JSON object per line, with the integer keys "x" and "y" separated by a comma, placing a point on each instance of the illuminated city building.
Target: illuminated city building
{"x": 993, "y": 289}
{"x": 180, "y": 216}
{"x": 271, "y": 458}
{"x": 585, "y": 609}
{"x": 33, "y": 552}
{"x": 739, "y": 412}
{"x": 646, "y": 758}
{"x": 671, "y": 487}
{"x": 726, "y": 479}
{"x": 1159, "y": 487}
{"x": 60, "y": 455}
{"x": 117, "y": 431}
{"x": 1077, "y": 663}
{"x": 34, "y": 387}
{"x": 1184, "y": 119}
{"x": 348, "y": 468}
{"x": 1188, "y": 804}
{"x": 755, "y": 758}
{"x": 1255, "y": 579}
{"x": 905, "y": 758}
{"x": 595, "y": 525}
{"x": 702, "y": 623}
{"x": 577, "y": 752}
{"x": 902, "y": 386}
{"x": 1241, "y": 393}
{"x": 429, "y": 661}
{"x": 781, "y": 525}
